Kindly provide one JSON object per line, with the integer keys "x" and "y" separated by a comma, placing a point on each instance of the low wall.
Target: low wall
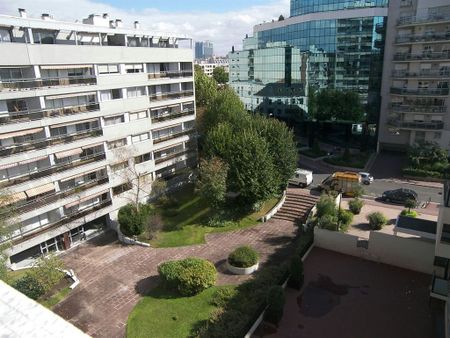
{"x": 275, "y": 209}
{"x": 408, "y": 253}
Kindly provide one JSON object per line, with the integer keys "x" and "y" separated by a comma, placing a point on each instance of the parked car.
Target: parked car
{"x": 399, "y": 195}
{"x": 366, "y": 178}
{"x": 302, "y": 178}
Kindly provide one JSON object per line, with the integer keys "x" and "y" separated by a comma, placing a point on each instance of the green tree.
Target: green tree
{"x": 425, "y": 155}
{"x": 213, "y": 181}
{"x": 326, "y": 206}
{"x": 410, "y": 203}
{"x": 48, "y": 271}
{"x": 331, "y": 104}
{"x": 218, "y": 141}
{"x": 220, "y": 75}
{"x": 130, "y": 220}
{"x": 205, "y": 88}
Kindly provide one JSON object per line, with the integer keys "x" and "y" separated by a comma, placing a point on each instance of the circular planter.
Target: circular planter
{"x": 242, "y": 271}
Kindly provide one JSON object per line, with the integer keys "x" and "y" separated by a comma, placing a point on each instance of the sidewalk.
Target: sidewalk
{"x": 414, "y": 182}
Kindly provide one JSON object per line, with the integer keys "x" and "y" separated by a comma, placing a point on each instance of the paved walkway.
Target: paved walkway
{"x": 114, "y": 277}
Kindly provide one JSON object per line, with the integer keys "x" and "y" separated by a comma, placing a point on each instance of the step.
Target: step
{"x": 295, "y": 204}
{"x": 292, "y": 219}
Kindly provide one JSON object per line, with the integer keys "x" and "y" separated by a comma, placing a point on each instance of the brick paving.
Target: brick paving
{"x": 113, "y": 277}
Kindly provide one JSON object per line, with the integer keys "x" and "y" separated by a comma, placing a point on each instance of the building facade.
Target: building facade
{"x": 86, "y": 110}
{"x": 324, "y": 44}
{"x": 416, "y": 75}
{"x": 210, "y": 64}
{"x": 204, "y": 50}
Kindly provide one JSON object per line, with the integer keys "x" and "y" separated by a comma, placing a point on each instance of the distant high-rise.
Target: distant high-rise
{"x": 204, "y": 49}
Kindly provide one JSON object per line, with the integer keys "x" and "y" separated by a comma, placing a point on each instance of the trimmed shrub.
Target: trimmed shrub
{"x": 422, "y": 173}
{"x": 376, "y": 220}
{"x": 189, "y": 276}
{"x": 410, "y": 204}
{"x": 222, "y": 296}
{"x": 355, "y": 205}
{"x": 407, "y": 213}
{"x": 345, "y": 218}
{"x": 275, "y": 302}
{"x": 328, "y": 222}
{"x": 296, "y": 269}
{"x": 326, "y": 206}
{"x": 243, "y": 257}
{"x": 130, "y": 220}
{"x": 29, "y": 286}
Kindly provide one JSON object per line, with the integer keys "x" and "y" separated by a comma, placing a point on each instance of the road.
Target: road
{"x": 380, "y": 185}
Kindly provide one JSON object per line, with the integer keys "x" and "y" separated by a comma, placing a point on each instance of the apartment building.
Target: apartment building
{"x": 204, "y": 49}
{"x": 82, "y": 107}
{"x": 416, "y": 75}
{"x": 210, "y": 64}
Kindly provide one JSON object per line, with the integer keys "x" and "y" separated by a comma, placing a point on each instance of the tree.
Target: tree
{"x": 130, "y": 220}
{"x": 220, "y": 75}
{"x": 213, "y": 181}
{"x": 331, "y": 105}
{"x": 281, "y": 17}
{"x": 205, "y": 88}
{"x": 426, "y": 155}
{"x": 48, "y": 271}
{"x": 410, "y": 203}
{"x": 326, "y": 206}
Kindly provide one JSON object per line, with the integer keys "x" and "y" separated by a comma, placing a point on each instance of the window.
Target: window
{"x": 119, "y": 166}
{"x": 437, "y": 135}
{"x": 108, "y": 69}
{"x": 138, "y": 115}
{"x": 117, "y": 143}
{"x": 143, "y": 158}
{"x": 121, "y": 188}
{"x": 445, "y": 233}
{"x": 109, "y": 121}
{"x": 134, "y": 68}
{"x": 135, "y": 91}
{"x": 140, "y": 137}
{"x": 111, "y": 94}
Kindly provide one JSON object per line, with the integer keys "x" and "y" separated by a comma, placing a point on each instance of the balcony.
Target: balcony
{"x": 49, "y": 171}
{"x": 404, "y": 108}
{"x": 437, "y": 73}
{"x": 173, "y": 115}
{"x": 174, "y": 135}
{"x": 39, "y": 114}
{"x": 40, "y": 144}
{"x": 170, "y": 74}
{"x": 432, "y": 37}
{"x": 435, "y": 18}
{"x": 25, "y": 84}
{"x": 420, "y": 91}
{"x": 422, "y": 56}
{"x": 171, "y": 95}
{"x": 173, "y": 155}
{"x": 439, "y": 288}
{"x": 429, "y": 125}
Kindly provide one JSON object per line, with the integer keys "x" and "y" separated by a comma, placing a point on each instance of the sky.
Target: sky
{"x": 225, "y": 23}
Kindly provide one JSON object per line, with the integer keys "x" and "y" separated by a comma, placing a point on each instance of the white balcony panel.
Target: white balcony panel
{"x": 172, "y": 142}
{"x": 121, "y": 154}
{"x": 170, "y": 162}
{"x": 163, "y": 124}
{"x": 124, "y": 105}
{"x": 121, "y": 130}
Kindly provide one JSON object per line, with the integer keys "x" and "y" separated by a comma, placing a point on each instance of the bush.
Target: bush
{"x": 326, "y": 206}
{"x": 296, "y": 269}
{"x": 407, "y": 213}
{"x": 29, "y": 286}
{"x": 243, "y": 257}
{"x": 409, "y": 203}
{"x": 328, "y": 222}
{"x": 222, "y": 296}
{"x": 275, "y": 302}
{"x": 345, "y": 219}
{"x": 355, "y": 205}
{"x": 47, "y": 271}
{"x": 422, "y": 173}
{"x": 189, "y": 276}
{"x": 130, "y": 220}
{"x": 376, "y": 220}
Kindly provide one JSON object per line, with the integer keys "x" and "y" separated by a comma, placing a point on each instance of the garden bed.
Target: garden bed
{"x": 357, "y": 161}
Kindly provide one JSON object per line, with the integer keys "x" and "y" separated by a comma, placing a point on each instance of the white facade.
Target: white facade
{"x": 83, "y": 107}
{"x": 209, "y": 65}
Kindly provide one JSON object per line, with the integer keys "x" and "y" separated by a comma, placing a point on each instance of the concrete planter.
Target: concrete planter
{"x": 242, "y": 271}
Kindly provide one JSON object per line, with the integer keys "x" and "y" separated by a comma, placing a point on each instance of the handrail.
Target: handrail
{"x": 420, "y": 91}
{"x": 173, "y": 155}
{"x": 170, "y": 74}
{"x": 172, "y": 136}
{"x": 422, "y": 56}
{"x": 32, "y": 83}
{"x": 172, "y": 115}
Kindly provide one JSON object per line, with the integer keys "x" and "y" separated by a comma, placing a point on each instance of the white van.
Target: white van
{"x": 302, "y": 178}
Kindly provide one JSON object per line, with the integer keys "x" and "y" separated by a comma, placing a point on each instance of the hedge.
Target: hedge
{"x": 422, "y": 173}
{"x": 243, "y": 257}
{"x": 29, "y": 286}
{"x": 275, "y": 304}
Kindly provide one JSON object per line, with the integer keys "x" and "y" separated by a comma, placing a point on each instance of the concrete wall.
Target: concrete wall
{"x": 408, "y": 253}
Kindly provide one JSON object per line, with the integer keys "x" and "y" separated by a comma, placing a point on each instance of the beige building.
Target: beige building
{"x": 416, "y": 75}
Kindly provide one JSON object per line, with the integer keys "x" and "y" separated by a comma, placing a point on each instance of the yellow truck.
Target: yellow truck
{"x": 344, "y": 182}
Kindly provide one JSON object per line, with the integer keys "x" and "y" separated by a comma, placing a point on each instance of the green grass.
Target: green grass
{"x": 356, "y": 161}
{"x": 56, "y": 298}
{"x": 164, "y": 314}
{"x": 313, "y": 154}
{"x": 13, "y": 276}
{"x": 187, "y": 223}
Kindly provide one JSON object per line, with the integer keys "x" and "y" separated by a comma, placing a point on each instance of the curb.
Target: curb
{"x": 417, "y": 183}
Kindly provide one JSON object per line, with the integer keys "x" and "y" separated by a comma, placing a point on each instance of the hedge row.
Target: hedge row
{"x": 422, "y": 173}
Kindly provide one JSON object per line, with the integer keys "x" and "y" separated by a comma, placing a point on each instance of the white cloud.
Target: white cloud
{"x": 224, "y": 29}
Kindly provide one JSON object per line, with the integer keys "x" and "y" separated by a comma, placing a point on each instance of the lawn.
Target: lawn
{"x": 165, "y": 313}
{"x": 187, "y": 222}
{"x": 357, "y": 161}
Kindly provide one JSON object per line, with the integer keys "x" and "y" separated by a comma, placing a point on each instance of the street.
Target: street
{"x": 380, "y": 185}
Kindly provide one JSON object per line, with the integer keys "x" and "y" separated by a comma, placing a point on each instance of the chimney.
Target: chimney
{"x": 45, "y": 16}
{"x": 111, "y": 24}
{"x": 22, "y": 13}
{"x": 137, "y": 25}
{"x": 119, "y": 23}
{"x": 105, "y": 16}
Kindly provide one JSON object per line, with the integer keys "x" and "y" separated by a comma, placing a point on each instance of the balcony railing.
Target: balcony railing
{"x": 173, "y": 155}
{"x": 440, "y": 286}
{"x": 39, "y": 144}
{"x": 171, "y": 116}
{"x": 420, "y": 91}
{"x": 172, "y": 136}
{"x": 435, "y": 18}
{"x": 171, "y": 95}
{"x": 423, "y": 73}
{"x": 39, "y": 114}
{"x": 170, "y": 74}
{"x": 48, "y": 171}
{"x": 423, "y": 38}
{"x": 422, "y": 56}
{"x": 23, "y": 84}
{"x": 402, "y": 108}
{"x": 429, "y": 125}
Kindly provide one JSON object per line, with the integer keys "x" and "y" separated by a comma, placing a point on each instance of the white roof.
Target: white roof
{"x": 21, "y": 316}
{"x": 303, "y": 171}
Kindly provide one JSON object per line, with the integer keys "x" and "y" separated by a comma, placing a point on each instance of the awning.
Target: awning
{"x": 40, "y": 190}
{"x": 72, "y": 123}
{"x": 64, "y": 96}
{"x": 68, "y": 153}
{"x": 33, "y": 160}
{"x": 13, "y": 198}
{"x": 7, "y": 166}
{"x": 84, "y": 199}
{"x": 21, "y": 133}
{"x": 66, "y": 66}
{"x": 89, "y": 146}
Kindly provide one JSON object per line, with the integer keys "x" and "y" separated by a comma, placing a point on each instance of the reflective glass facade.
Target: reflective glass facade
{"x": 299, "y": 7}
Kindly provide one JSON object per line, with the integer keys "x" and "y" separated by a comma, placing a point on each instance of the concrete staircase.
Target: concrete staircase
{"x": 296, "y": 207}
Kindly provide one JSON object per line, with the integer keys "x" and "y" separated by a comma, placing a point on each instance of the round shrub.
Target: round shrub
{"x": 411, "y": 213}
{"x": 29, "y": 286}
{"x": 355, "y": 206}
{"x": 130, "y": 220}
{"x": 221, "y": 297}
{"x": 376, "y": 220}
{"x": 275, "y": 302}
{"x": 296, "y": 269}
{"x": 328, "y": 222}
{"x": 243, "y": 257}
{"x": 345, "y": 218}
{"x": 189, "y": 276}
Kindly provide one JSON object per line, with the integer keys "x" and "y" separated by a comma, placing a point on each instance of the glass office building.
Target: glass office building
{"x": 300, "y": 7}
